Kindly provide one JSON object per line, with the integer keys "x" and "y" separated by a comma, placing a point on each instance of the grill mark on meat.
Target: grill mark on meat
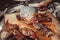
{"x": 37, "y": 18}
{"x": 43, "y": 29}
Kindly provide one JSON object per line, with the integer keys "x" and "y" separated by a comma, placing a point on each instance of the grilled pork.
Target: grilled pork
{"x": 39, "y": 27}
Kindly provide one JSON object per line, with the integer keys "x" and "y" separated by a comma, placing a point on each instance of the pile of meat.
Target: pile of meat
{"x": 39, "y": 27}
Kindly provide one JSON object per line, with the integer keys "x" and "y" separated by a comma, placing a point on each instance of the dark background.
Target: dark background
{"x": 6, "y": 3}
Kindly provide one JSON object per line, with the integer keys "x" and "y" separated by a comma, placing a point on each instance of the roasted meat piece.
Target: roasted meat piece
{"x": 44, "y": 29}
{"x": 28, "y": 32}
{"x": 11, "y": 32}
{"x": 39, "y": 27}
{"x": 41, "y": 18}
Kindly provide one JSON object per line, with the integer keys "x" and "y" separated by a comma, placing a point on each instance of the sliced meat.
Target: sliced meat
{"x": 41, "y": 18}
{"x": 20, "y": 30}
{"x": 28, "y": 32}
{"x": 18, "y": 35}
{"x": 46, "y": 31}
